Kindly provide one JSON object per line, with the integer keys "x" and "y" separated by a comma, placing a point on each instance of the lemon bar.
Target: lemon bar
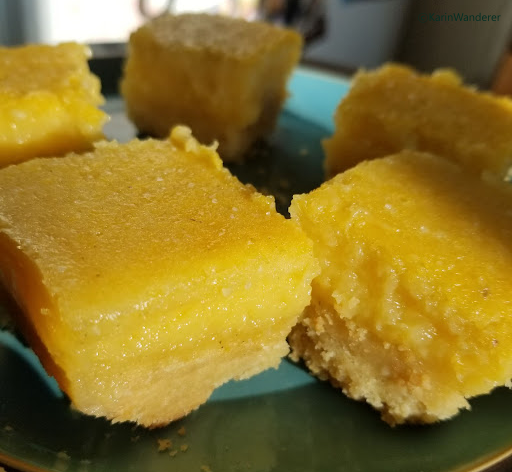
{"x": 411, "y": 310}
{"x": 395, "y": 108}
{"x": 223, "y": 77}
{"x": 48, "y": 102}
{"x": 148, "y": 275}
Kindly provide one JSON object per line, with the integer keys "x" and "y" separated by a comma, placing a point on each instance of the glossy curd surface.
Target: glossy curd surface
{"x": 416, "y": 274}
{"x": 150, "y": 274}
{"x": 223, "y": 77}
{"x": 48, "y": 102}
{"x": 395, "y": 108}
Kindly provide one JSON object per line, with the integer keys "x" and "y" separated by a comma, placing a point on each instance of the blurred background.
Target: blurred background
{"x": 341, "y": 35}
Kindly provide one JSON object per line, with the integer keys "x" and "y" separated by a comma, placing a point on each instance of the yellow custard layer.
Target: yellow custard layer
{"x": 48, "y": 102}
{"x": 395, "y": 108}
{"x": 223, "y": 77}
{"x": 148, "y": 274}
{"x": 412, "y": 309}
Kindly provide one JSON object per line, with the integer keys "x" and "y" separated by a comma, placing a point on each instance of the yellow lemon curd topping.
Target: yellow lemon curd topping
{"x": 412, "y": 309}
{"x": 48, "y": 102}
{"x": 223, "y": 77}
{"x": 395, "y": 108}
{"x": 148, "y": 274}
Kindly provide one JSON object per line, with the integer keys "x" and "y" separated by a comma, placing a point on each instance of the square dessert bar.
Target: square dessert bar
{"x": 148, "y": 275}
{"x": 223, "y": 77}
{"x": 395, "y": 108}
{"x": 412, "y": 309}
{"x": 48, "y": 102}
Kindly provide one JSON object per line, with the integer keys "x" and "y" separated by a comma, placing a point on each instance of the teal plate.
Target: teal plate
{"x": 282, "y": 420}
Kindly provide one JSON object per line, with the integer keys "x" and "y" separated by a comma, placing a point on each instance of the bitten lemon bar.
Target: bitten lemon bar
{"x": 412, "y": 308}
{"x": 48, "y": 102}
{"x": 223, "y": 77}
{"x": 395, "y": 108}
{"x": 148, "y": 274}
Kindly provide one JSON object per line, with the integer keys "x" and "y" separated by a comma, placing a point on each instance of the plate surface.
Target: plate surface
{"x": 281, "y": 420}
